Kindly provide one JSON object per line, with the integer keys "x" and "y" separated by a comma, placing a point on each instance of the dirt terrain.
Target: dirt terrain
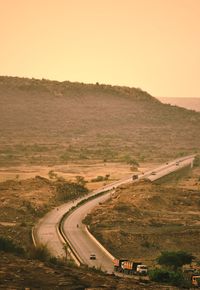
{"x": 22, "y": 203}
{"x": 18, "y": 273}
{"x": 87, "y": 169}
{"x": 27, "y": 193}
{"x": 143, "y": 219}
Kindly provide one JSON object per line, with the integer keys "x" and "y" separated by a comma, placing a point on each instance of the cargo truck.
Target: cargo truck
{"x": 130, "y": 267}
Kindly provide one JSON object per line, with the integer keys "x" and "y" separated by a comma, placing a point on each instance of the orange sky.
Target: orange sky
{"x": 151, "y": 44}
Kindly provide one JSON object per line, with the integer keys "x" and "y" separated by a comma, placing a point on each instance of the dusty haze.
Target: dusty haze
{"x": 150, "y": 44}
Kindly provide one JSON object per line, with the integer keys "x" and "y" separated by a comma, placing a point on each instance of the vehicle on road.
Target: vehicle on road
{"x": 135, "y": 176}
{"x": 92, "y": 257}
{"x": 177, "y": 163}
{"x": 130, "y": 267}
{"x": 153, "y": 173}
{"x": 118, "y": 264}
{"x": 196, "y": 281}
{"x": 142, "y": 269}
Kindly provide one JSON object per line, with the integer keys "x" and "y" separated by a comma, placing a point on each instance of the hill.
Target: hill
{"x": 188, "y": 103}
{"x": 50, "y": 122}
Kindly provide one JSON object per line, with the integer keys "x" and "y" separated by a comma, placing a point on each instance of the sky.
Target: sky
{"x": 150, "y": 44}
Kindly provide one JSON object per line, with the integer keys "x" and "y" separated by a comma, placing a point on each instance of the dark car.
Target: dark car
{"x": 92, "y": 257}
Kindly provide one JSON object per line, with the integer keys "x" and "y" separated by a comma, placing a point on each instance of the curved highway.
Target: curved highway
{"x": 46, "y": 231}
{"x": 83, "y": 244}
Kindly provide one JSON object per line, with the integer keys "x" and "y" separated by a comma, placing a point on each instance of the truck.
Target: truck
{"x": 142, "y": 269}
{"x": 118, "y": 264}
{"x": 134, "y": 177}
{"x": 195, "y": 281}
{"x": 130, "y": 267}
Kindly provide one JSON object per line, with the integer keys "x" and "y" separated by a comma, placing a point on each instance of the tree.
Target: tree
{"x": 175, "y": 260}
{"x": 80, "y": 180}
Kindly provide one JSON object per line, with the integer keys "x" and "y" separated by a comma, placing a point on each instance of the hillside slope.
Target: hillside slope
{"x": 188, "y": 103}
{"x": 143, "y": 219}
{"x": 48, "y": 121}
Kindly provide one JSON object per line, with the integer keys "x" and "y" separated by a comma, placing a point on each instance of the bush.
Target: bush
{"x": 56, "y": 261}
{"x": 70, "y": 190}
{"x": 97, "y": 179}
{"x": 165, "y": 276}
{"x": 197, "y": 161}
{"x": 40, "y": 253}
{"x": 159, "y": 275}
{"x": 8, "y": 245}
{"x": 131, "y": 161}
{"x": 100, "y": 178}
{"x": 52, "y": 174}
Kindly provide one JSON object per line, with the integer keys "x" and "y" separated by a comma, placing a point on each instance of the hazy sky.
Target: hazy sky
{"x": 151, "y": 44}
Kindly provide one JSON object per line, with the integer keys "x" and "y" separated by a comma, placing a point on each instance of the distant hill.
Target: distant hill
{"x": 188, "y": 103}
{"x": 46, "y": 122}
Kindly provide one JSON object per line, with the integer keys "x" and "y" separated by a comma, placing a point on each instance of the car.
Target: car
{"x": 177, "y": 163}
{"x": 153, "y": 173}
{"x": 92, "y": 257}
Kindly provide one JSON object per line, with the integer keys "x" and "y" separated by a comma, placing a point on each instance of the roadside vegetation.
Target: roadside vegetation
{"x": 171, "y": 270}
{"x": 197, "y": 161}
{"x": 7, "y": 245}
{"x": 66, "y": 191}
{"x": 100, "y": 178}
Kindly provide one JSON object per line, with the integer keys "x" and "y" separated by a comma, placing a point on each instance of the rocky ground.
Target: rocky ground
{"x": 22, "y": 203}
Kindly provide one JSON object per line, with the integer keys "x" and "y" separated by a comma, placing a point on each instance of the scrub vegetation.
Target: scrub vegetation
{"x": 48, "y": 122}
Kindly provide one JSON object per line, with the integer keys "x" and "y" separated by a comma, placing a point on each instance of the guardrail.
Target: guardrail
{"x": 99, "y": 244}
{"x": 169, "y": 164}
{"x": 33, "y": 237}
{"x": 67, "y": 245}
{"x": 73, "y": 253}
